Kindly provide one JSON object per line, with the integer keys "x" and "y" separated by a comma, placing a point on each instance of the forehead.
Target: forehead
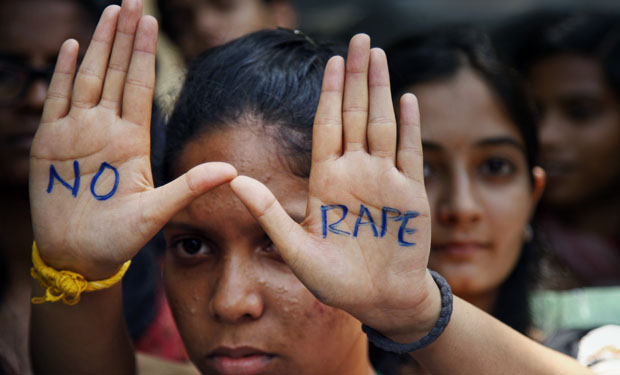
{"x": 462, "y": 110}
{"x": 253, "y": 154}
{"x": 567, "y": 73}
{"x": 42, "y": 25}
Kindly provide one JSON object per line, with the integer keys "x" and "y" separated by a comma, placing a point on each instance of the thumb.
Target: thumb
{"x": 161, "y": 204}
{"x": 286, "y": 234}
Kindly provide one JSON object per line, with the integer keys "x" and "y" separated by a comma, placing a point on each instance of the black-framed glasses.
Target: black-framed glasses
{"x": 16, "y": 79}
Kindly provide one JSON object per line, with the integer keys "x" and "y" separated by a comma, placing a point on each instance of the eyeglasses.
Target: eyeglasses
{"x": 16, "y": 80}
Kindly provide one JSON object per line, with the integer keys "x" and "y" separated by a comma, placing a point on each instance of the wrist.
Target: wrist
{"x": 415, "y": 325}
{"x": 67, "y": 285}
{"x": 395, "y": 342}
{"x": 91, "y": 269}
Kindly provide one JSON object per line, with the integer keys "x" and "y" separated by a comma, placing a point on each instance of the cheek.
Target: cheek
{"x": 508, "y": 217}
{"x": 297, "y": 310}
{"x": 508, "y": 211}
{"x": 187, "y": 296}
{"x": 311, "y": 329}
{"x": 598, "y": 147}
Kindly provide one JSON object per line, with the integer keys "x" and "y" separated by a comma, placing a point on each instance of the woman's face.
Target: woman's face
{"x": 478, "y": 184}
{"x": 203, "y": 24}
{"x": 239, "y": 308}
{"x": 31, "y": 33}
{"x": 579, "y": 131}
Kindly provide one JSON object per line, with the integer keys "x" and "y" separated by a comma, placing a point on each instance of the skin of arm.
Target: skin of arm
{"x": 477, "y": 343}
{"x": 88, "y": 338}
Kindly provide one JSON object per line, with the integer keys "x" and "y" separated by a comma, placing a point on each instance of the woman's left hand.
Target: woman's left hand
{"x": 364, "y": 244}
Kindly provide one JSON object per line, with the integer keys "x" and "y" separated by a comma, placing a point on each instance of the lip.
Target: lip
{"x": 460, "y": 250}
{"x": 244, "y": 360}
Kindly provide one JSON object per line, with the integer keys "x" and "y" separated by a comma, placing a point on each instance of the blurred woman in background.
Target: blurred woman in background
{"x": 572, "y": 65}
{"x": 480, "y": 167}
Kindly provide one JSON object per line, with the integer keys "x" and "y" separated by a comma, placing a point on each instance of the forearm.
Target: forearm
{"x": 89, "y": 337}
{"x": 476, "y": 343}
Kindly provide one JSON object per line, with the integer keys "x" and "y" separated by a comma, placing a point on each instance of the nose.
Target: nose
{"x": 35, "y": 96}
{"x": 459, "y": 204}
{"x": 237, "y": 297}
{"x": 550, "y": 131}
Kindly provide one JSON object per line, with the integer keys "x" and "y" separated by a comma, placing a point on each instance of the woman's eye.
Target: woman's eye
{"x": 580, "y": 111}
{"x": 272, "y": 251}
{"x": 427, "y": 169}
{"x": 497, "y": 167}
{"x": 190, "y": 247}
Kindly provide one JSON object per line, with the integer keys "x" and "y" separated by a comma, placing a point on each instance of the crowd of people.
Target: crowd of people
{"x": 447, "y": 206}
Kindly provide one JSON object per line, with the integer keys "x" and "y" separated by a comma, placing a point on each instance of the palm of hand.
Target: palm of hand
{"x": 368, "y": 270}
{"x": 96, "y": 130}
{"x": 377, "y": 235}
{"x": 79, "y": 219}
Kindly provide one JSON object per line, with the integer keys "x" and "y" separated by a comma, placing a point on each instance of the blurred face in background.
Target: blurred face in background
{"x": 201, "y": 24}
{"x": 478, "y": 184}
{"x": 31, "y": 33}
{"x": 579, "y": 129}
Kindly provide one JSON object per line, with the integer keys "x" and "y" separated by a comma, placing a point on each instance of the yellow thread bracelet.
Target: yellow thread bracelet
{"x": 66, "y": 285}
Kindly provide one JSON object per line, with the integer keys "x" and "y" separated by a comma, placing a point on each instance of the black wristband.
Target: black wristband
{"x": 444, "y": 317}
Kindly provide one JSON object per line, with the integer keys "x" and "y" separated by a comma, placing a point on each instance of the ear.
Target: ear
{"x": 539, "y": 180}
{"x": 283, "y": 13}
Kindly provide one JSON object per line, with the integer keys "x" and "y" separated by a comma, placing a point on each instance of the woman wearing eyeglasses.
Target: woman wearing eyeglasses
{"x": 31, "y": 31}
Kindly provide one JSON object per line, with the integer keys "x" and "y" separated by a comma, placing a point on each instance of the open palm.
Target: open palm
{"x": 92, "y": 196}
{"x": 371, "y": 261}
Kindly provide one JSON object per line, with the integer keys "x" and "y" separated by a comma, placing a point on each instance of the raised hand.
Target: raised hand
{"x": 364, "y": 243}
{"x": 91, "y": 189}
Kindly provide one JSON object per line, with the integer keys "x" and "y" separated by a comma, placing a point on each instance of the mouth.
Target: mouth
{"x": 239, "y": 361}
{"x": 460, "y": 250}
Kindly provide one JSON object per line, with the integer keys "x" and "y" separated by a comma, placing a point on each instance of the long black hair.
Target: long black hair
{"x": 440, "y": 55}
{"x": 272, "y": 77}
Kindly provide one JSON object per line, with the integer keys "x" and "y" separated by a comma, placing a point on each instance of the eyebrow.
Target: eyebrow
{"x": 499, "y": 141}
{"x": 492, "y": 141}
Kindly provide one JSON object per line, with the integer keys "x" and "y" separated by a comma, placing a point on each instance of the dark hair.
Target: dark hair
{"x": 594, "y": 35}
{"x": 270, "y": 77}
{"x": 440, "y": 55}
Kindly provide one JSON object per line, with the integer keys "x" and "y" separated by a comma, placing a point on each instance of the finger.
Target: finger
{"x": 164, "y": 202}
{"x": 381, "y": 120}
{"x": 285, "y": 233}
{"x": 90, "y": 77}
{"x": 121, "y": 54}
{"x": 355, "y": 103}
{"x": 59, "y": 91}
{"x": 409, "y": 154}
{"x": 327, "y": 129}
{"x": 140, "y": 80}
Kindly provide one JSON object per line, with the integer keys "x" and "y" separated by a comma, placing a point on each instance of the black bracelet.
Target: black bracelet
{"x": 444, "y": 317}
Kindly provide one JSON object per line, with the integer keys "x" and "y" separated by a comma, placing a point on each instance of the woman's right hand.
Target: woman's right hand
{"x": 92, "y": 197}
